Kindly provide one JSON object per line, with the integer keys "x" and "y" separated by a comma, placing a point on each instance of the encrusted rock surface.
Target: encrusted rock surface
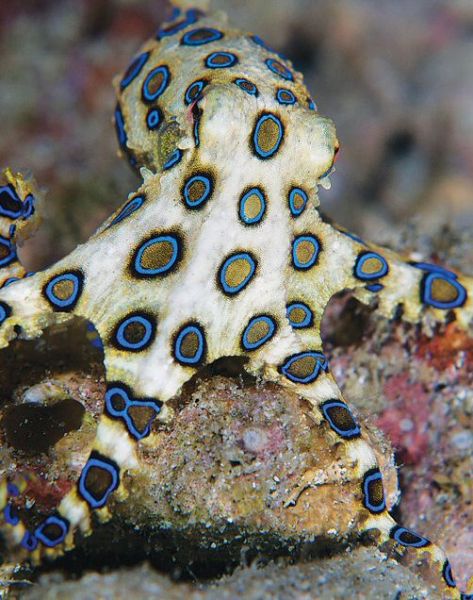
{"x": 366, "y": 573}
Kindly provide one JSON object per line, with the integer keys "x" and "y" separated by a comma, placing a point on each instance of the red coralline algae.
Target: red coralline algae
{"x": 442, "y": 351}
{"x": 405, "y": 420}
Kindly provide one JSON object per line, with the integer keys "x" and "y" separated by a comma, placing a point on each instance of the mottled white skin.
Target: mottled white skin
{"x": 191, "y": 292}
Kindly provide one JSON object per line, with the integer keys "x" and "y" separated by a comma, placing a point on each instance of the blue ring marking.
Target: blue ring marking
{"x": 194, "y": 360}
{"x": 52, "y": 520}
{"x": 123, "y": 413}
{"x": 372, "y": 476}
{"x": 124, "y": 394}
{"x": 292, "y": 196}
{"x": 12, "y": 490}
{"x": 247, "y": 86}
{"x": 427, "y": 298}
{"x": 244, "y": 200}
{"x": 120, "y": 337}
{"x": 10, "y": 281}
{"x": 313, "y": 260}
{"x": 29, "y": 206}
{"x": 173, "y": 159}
{"x": 165, "y": 268}
{"x": 192, "y": 16}
{"x": 353, "y": 432}
{"x": 354, "y": 237}
{"x": 269, "y": 153}
{"x": 130, "y": 207}
{"x": 260, "y": 42}
{"x": 68, "y": 303}
{"x": 375, "y": 287}
{"x": 447, "y": 575}
{"x": 120, "y": 126}
{"x": 96, "y": 462}
{"x": 149, "y": 96}
{"x": 11, "y": 515}
{"x": 361, "y": 260}
{"x": 194, "y": 91}
{"x": 308, "y": 319}
{"x": 213, "y": 36}
{"x": 196, "y": 130}
{"x": 311, "y": 104}
{"x": 279, "y": 69}
{"x": 247, "y": 345}
{"x": 154, "y": 118}
{"x": 176, "y": 12}
{"x": 397, "y": 532}
{"x": 122, "y": 135}
{"x": 135, "y": 432}
{"x": 280, "y": 97}
{"x": 5, "y": 312}
{"x": 223, "y": 269}
{"x": 434, "y": 269}
{"x": 29, "y": 541}
{"x": 11, "y": 256}
{"x": 134, "y": 69}
{"x": 94, "y": 337}
{"x": 231, "y": 61}
{"x": 321, "y": 364}
{"x": 11, "y": 213}
{"x": 207, "y": 191}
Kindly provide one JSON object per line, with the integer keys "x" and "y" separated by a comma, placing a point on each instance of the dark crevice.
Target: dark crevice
{"x": 33, "y": 428}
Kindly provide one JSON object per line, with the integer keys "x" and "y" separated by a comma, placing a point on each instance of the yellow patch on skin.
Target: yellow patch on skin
{"x": 443, "y": 291}
{"x": 297, "y": 315}
{"x": 246, "y": 85}
{"x": 268, "y": 136}
{"x": 298, "y": 201}
{"x": 64, "y": 289}
{"x": 157, "y": 256}
{"x": 190, "y": 345}
{"x": 134, "y": 332}
{"x": 376, "y": 492}
{"x": 141, "y": 416}
{"x": 305, "y": 252}
{"x": 371, "y": 266}
{"x": 220, "y": 60}
{"x": 237, "y": 272}
{"x": 196, "y": 190}
{"x": 201, "y": 35}
{"x": 342, "y": 418}
{"x": 98, "y": 481}
{"x": 285, "y": 97}
{"x": 253, "y": 206}
{"x": 155, "y": 83}
{"x": 277, "y": 66}
{"x": 303, "y": 367}
{"x": 257, "y": 332}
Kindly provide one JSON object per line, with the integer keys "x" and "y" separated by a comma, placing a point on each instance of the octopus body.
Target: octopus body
{"x": 222, "y": 252}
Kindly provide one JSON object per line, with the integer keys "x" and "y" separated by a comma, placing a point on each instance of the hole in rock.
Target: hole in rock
{"x": 51, "y": 396}
{"x": 33, "y": 428}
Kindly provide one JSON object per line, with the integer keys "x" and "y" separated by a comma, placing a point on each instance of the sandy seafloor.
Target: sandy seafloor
{"x": 397, "y": 79}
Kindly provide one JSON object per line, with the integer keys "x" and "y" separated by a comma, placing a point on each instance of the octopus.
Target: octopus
{"x": 221, "y": 252}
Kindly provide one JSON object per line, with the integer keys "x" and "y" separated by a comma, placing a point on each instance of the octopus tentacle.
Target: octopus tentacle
{"x": 307, "y": 372}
